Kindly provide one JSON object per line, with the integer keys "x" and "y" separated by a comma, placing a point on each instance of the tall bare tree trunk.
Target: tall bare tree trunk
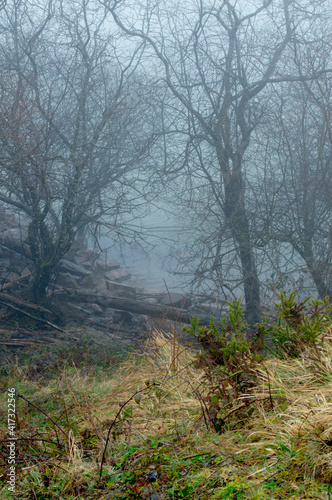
{"x": 238, "y": 221}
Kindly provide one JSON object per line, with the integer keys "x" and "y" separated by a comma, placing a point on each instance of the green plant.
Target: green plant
{"x": 225, "y": 343}
{"x": 299, "y": 324}
{"x": 228, "y": 360}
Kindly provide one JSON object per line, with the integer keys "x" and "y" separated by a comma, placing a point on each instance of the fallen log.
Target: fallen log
{"x": 136, "y": 306}
{"x": 23, "y": 303}
{"x": 41, "y": 320}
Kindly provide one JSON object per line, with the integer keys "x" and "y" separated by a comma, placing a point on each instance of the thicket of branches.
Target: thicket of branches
{"x": 76, "y": 125}
{"x": 233, "y": 99}
{"x": 243, "y": 76}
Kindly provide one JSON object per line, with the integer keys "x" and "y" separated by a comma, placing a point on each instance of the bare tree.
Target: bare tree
{"x": 75, "y": 124}
{"x": 297, "y": 184}
{"x": 218, "y": 60}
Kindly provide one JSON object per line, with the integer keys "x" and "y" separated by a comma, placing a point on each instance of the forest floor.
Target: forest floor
{"x": 89, "y": 418}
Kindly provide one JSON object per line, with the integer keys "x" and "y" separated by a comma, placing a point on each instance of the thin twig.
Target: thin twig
{"x": 39, "y": 409}
{"x": 112, "y": 425}
{"x": 32, "y": 316}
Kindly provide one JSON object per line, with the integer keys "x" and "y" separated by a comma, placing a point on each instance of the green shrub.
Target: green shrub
{"x": 228, "y": 360}
{"x": 299, "y": 324}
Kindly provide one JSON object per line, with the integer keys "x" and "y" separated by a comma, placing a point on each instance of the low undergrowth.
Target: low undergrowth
{"x": 227, "y": 422}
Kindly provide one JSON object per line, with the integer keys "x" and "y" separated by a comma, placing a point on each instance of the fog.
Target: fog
{"x": 155, "y": 260}
{"x": 159, "y": 260}
{"x": 191, "y": 142}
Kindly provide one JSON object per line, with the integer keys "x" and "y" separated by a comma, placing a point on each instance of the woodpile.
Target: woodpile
{"x": 92, "y": 285}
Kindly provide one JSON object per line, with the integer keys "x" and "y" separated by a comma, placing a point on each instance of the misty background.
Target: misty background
{"x": 192, "y": 142}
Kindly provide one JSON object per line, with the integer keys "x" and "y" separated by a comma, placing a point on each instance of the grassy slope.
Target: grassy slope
{"x": 281, "y": 448}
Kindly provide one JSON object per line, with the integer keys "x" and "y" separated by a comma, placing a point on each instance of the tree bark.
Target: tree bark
{"x": 237, "y": 218}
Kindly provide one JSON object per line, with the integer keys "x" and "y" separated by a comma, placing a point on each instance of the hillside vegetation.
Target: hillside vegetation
{"x": 236, "y": 419}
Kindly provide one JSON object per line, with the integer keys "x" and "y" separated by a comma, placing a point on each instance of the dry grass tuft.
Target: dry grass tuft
{"x": 167, "y": 397}
{"x": 301, "y": 391}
